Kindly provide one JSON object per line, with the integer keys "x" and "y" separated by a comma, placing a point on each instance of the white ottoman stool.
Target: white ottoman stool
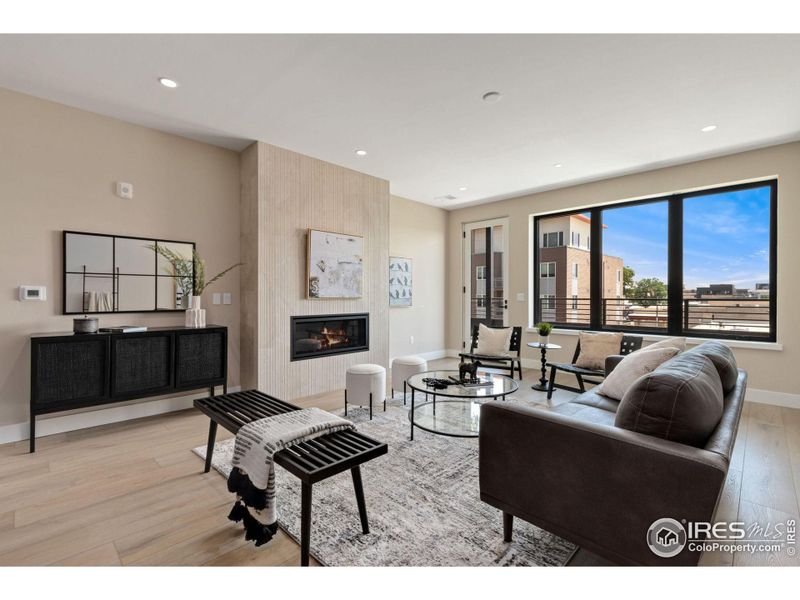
{"x": 404, "y": 367}
{"x": 365, "y": 384}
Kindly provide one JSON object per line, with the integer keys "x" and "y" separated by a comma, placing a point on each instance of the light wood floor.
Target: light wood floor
{"x": 133, "y": 493}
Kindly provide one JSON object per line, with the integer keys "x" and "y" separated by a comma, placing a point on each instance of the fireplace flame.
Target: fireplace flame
{"x": 333, "y": 337}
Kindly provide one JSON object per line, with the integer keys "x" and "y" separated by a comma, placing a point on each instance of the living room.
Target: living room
{"x": 412, "y": 300}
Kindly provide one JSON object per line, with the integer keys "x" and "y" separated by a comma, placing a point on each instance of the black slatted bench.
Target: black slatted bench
{"x": 310, "y": 461}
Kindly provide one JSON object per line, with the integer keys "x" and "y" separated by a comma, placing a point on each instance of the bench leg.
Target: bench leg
{"x": 305, "y": 524}
{"x": 212, "y": 437}
{"x": 508, "y": 526}
{"x": 362, "y": 505}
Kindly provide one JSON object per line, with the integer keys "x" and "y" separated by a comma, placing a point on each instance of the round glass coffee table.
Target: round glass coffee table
{"x": 455, "y": 410}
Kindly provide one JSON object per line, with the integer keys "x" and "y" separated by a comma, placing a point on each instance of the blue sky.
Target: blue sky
{"x": 726, "y": 238}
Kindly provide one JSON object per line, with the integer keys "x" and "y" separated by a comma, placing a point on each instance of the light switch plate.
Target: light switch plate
{"x": 215, "y": 298}
{"x": 226, "y": 298}
{"x": 521, "y": 297}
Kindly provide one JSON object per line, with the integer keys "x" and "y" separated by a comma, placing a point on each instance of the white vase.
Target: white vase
{"x": 544, "y": 340}
{"x": 196, "y": 316}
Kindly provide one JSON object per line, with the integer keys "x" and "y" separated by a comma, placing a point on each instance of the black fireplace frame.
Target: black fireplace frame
{"x": 332, "y": 317}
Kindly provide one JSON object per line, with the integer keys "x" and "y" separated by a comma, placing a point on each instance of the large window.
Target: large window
{"x": 699, "y": 264}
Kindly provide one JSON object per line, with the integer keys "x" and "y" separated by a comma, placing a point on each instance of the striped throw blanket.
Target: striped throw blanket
{"x": 252, "y": 477}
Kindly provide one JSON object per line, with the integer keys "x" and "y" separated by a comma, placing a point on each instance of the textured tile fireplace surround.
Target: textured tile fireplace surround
{"x": 284, "y": 194}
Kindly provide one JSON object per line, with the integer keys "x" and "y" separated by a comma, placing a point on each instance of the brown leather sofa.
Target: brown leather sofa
{"x": 599, "y": 472}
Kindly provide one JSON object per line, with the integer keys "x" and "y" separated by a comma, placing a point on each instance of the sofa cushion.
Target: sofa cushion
{"x": 493, "y": 341}
{"x": 723, "y": 360}
{"x": 592, "y": 398}
{"x": 595, "y": 347}
{"x": 633, "y": 366}
{"x": 680, "y": 401}
{"x": 590, "y": 414}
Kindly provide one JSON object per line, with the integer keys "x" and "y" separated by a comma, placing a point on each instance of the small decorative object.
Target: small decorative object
{"x": 335, "y": 265}
{"x": 400, "y": 281}
{"x": 544, "y": 330}
{"x": 191, "y": 276}
{"x": 468, "y": 372}
{"x": 84, "y": 325}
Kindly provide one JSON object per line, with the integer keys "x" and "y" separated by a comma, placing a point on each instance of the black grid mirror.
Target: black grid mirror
{"x": 123, "y": 274}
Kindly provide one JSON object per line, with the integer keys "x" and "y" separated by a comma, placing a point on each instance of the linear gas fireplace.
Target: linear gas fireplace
{"x": 322, "y": 335}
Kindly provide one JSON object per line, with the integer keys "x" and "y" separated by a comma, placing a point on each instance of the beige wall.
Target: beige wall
{"x": 58, "y": 166}
{"x": 769, "y": 370}
{"x": 419, "y": 231}
{"x": 285, "y": 195}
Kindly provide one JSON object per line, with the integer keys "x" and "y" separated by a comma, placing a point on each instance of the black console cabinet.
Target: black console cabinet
{"x": 71, "y": 371}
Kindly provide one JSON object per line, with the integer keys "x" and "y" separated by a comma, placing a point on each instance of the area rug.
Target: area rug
{"x": 422, "y": 500}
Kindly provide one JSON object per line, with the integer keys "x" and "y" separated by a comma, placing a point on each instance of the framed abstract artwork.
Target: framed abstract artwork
{"x": 335, "y": 267}
{"x": 400, "y": 281}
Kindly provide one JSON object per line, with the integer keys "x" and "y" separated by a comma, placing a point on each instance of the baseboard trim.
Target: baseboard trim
{"x": 73, "y": 422}
{"x": 773, "y": 398}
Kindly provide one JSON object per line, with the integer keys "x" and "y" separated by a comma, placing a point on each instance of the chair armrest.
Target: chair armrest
{"x": 597, "y": 485}
{"x": 612, "y": 362}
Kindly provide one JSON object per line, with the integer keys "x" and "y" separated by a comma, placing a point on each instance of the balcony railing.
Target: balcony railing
{"x": 727, "y": 315}
{"x": 487, "y": 310}
{"x": 724, "y": 315}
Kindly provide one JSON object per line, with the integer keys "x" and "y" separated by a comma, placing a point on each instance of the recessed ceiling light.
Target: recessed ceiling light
{"x": 558, "y": 165}
{"x": 708, "y": 128}
{"x": 167, "y": 82}
{"x": 463, "y": 188}
{"x": 492, "y": 97}
{"x": 361, "y": 152}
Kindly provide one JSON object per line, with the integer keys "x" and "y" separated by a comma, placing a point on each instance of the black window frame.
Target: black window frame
{"x": 675, "y": 249}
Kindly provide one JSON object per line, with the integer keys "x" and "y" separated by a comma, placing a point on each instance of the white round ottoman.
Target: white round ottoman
{"x": 404, "y": 367}
{"x": 365, "y": 384}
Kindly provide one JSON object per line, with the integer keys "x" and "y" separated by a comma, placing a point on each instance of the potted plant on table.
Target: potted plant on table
{"x": 191, "y": 278}
{"x": 544, "y": 330}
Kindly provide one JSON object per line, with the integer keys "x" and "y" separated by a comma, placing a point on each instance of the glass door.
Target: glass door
{"x": 486, "y": 265}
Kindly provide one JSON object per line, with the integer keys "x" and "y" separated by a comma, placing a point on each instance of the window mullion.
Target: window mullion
{"x": 596, "y": 274}
{"x": 675, "y": 266}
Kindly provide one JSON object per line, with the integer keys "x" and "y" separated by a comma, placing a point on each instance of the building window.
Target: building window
{"x": 547, "y": 269}
{"x": 554, "y": 239}
{"x": 699, "y": 264}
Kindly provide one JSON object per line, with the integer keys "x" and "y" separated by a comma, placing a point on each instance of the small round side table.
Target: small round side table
{"x": 542, "y": 385}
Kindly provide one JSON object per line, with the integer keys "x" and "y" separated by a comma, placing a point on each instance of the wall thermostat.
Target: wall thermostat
{"x": 32, "y": 292}
{"x": 124, "y": 190}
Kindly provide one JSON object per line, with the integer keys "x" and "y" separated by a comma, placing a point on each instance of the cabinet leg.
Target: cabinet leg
{"x": 305, "y": 523}
{"x": 33, "y": 434}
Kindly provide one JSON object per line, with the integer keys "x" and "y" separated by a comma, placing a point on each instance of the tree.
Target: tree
{"x": 627, "y": 279}
{"x": 649, "y": 287}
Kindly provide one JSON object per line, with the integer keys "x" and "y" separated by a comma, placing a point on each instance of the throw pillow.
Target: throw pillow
{"x": 595, "y": 347}
{"x": 673, "y": 342}
{"x": 493, "y": 342}
{"x": 680, "y": 401}
{"x": 631, "y": 368}
{"x": 723, "y": 359}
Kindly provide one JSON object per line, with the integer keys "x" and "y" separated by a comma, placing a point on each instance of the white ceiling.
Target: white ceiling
{"x": 599, "y": 104}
